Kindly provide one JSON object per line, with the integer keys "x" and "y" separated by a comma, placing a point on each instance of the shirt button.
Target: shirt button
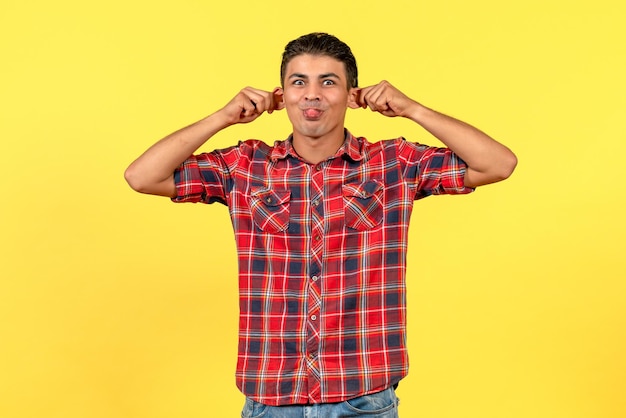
{"x": 316, "y": 202}
{"x": 314, "y": 278}
{"x": 313, "y": 317}
{"x": 318, "y": 167}
{"x": 317, "y": 238}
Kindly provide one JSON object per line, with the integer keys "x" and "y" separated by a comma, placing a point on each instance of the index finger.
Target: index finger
{"x": 276, "y": 99}
{"x": 360, "y": 96}
{"x": 258, "y": 98}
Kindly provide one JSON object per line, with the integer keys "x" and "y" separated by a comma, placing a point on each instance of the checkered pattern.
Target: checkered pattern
{"x": 322, "y": 255}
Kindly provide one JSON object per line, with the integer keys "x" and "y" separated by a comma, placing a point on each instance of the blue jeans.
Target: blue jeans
{"x": 376, "y": 405}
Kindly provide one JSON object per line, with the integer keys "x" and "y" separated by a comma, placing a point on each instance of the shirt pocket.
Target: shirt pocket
{"x": 270, "y": 209}
{"x": 363, "y": 204}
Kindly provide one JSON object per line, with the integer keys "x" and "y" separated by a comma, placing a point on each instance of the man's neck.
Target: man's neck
{"x": 316, "y": 150}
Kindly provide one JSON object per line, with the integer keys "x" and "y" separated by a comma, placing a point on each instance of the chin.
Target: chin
{"x": 309, "y": 129}
{"x": 309, "y": 133}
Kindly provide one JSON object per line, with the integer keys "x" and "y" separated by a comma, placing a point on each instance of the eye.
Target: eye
{"x": 298, "y": 82}
{"x": 328, "y": 82}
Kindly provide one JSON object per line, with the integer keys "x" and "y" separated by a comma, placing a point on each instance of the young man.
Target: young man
{"x": 321, "y": 224}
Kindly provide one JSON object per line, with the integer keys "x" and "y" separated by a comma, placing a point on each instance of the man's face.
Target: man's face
{"x": 316, "y": 96}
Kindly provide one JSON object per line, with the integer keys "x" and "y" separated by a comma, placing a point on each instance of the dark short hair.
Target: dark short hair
{"x": 319, "y": 43}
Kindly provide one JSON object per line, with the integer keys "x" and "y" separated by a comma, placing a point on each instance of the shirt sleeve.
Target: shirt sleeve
{"x": 202, "y": 178}
{"x": 432, "y": 170}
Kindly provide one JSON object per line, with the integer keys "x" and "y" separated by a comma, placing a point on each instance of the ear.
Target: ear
{"x": 278, "y": 98}
{"x": 353, "y": 98}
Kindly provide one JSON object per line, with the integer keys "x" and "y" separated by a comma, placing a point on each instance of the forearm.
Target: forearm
{"x": 488, "y": 161}
{"x": 153, "y": 171}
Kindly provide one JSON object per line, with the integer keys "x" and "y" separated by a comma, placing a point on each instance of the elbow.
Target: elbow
{"x": 511, "y": 164}
{"x": 140, "y": 182}
{"x": 501, "y": 169}
{"x": 508, "y": 164}
{"x": 134, "y": 180}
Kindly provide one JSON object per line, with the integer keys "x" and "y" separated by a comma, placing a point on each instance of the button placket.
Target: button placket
{"x": 316, "y": 245}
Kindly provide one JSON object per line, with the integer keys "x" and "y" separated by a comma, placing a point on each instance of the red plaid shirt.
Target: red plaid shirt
{"x": 322, "y": 255}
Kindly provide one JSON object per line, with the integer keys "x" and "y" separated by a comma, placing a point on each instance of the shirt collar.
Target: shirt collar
{"x": 352, "y": 148}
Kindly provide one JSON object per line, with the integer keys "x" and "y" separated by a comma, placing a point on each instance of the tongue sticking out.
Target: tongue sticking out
{"x": 312, "y": 113}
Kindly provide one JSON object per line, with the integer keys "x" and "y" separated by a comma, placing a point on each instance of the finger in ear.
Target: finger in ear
{"x": 278, "y": 98}
{"x": 354, "y": 98}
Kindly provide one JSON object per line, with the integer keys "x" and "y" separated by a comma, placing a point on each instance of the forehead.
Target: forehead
{"x": 315, "y": 65}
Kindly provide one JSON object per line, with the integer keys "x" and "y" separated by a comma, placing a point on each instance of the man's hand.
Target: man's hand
{"x": 250, "y": 103}
{"x": 385, "y": 99}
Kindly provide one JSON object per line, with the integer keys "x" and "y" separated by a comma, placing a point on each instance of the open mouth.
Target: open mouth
{"x": 311, "y": 113}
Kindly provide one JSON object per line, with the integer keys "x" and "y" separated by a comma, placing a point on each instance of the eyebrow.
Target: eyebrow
{"x": 321, "y": 76}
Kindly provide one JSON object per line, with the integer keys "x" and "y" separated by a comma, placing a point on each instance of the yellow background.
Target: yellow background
{"x": 116, "y": 304}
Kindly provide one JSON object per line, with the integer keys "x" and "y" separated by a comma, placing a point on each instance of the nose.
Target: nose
{"x": 312, "y": 92}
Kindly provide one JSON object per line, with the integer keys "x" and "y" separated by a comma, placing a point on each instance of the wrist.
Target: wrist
{"x": 219, "y": 120}
{"x": 417, "y": 112}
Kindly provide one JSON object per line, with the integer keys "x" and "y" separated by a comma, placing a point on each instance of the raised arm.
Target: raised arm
{"x": 487, "y": 160}
{"x": 153, "y": 171}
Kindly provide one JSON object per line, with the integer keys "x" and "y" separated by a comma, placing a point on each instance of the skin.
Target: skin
{"x": 316, "y": 98}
